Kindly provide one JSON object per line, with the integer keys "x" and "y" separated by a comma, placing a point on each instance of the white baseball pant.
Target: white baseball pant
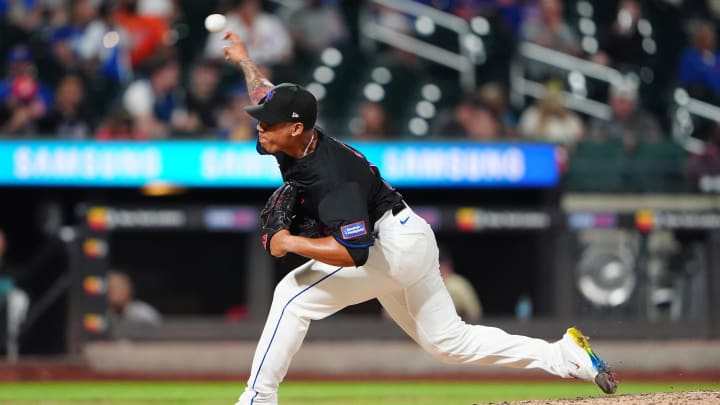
{"x": 402, "y": 272}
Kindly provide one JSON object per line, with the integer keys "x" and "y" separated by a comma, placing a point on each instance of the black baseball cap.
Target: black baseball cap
{"x": 286, "y": 102}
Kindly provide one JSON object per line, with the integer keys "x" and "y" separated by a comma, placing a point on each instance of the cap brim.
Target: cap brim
{"x": 262, "y": 114}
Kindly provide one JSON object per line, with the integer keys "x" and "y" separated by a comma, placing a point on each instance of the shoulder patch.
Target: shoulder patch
{"x": 353, "y": 230}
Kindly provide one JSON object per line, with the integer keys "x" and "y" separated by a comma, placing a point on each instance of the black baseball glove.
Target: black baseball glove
{"x": 278, "y": 212}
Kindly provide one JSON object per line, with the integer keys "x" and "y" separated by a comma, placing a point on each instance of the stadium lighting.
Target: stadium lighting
{"x": 644, "y": 27}
{"x": 331, "y": 57}
{"x": 425, "y": 109}
{"x": 424, "y": 25}
{"x": 324, "y": 74}
{"x": 584, "y": 8}
{"x": 681, "y": 96}
{"x": 590, "y": 45}
{"x": 374, "y": 92}
{"x": 431, "y": 92}
{"x": 587, "y": 26}
{"x": 418, "y": 126}
{"x": 317, "y": 89}
{"x": 649, "y": 46}
{"x": 480, "y": 25}
{"x": 381, "y": 75}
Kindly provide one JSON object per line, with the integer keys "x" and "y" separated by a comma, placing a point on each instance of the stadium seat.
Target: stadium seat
{"x": 658, "y": 167}
{"x": 597, "y": 167}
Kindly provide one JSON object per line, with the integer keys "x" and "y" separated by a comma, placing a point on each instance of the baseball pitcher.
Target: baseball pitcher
{"x": 364, "y": 242}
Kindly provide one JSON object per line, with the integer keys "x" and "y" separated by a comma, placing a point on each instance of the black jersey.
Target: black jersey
{"x": 342, "y": 190}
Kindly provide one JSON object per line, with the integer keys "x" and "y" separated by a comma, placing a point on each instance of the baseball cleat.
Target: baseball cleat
{"x": 584, "y": 363}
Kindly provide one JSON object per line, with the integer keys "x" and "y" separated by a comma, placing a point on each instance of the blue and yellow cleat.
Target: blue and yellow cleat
{"x": 584, "y": 364}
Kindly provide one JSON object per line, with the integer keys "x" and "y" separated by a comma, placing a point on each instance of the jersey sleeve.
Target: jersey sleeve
{"x": 344, "y": 210}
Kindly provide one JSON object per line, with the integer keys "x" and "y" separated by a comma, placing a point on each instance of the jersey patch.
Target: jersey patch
{"x": 353, "y": 230}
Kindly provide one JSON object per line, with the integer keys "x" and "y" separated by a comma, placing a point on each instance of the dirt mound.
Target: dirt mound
{"x": 659, "y": 398}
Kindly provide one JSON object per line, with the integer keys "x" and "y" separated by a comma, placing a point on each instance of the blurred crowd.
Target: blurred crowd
{"x": 146, "y": 69}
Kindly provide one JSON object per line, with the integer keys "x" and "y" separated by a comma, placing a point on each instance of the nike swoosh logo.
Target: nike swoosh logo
{"x": 403, "y": 221}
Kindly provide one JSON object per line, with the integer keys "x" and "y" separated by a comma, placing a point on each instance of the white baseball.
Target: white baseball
{"x": 215, "y": 22}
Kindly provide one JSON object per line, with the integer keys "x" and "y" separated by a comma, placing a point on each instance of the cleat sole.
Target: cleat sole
{"x": 606, "y": 381}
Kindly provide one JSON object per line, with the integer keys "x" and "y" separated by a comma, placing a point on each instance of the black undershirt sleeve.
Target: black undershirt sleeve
{"x": 344, "y": 210}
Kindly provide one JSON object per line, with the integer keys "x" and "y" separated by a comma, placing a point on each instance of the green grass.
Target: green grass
{"x": 317, "y": 393}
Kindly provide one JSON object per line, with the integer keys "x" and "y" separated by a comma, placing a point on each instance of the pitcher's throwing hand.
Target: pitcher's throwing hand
{"x": 236, "y": 51}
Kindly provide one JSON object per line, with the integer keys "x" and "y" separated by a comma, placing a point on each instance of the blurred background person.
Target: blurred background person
{"x": 629, "y": 123}
{"x": 549, "y": 29}
{"x": 548, "y": 120}
{"x": 463, "y": 294}
{"x": 65, "y": 39}
{"x": 124, "y": 306}
{"x": 494, "y": 95}
{"x": 268, "y": 40}
{"x": 372, "y": 123}
{"x": 20, "y": 64}
{"x": 158, "y": 103}
{"x": 69, "y": 117}
{"x": 204, "y": 100}
{"x": 149, "y": 34}
{"x": 22, "y": 108}
{"x": 699, "y": 66}
{"x": 4, "y": 266}
{"x": 471, "y": 119}
{"x": 104, "y": 48}
{"x": 118, "y": 124}
{"x": 622, "y": 46}
{"x": 14, "y": 302}
{"x": 703, "y": 169}
{"x": 316, "y": 25}
{"x": 234, "y": 124}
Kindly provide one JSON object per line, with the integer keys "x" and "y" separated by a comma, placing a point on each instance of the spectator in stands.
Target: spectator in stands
{"x": 25, "y": 15}
{"x": 471, "y": 119}
{"x": 548, "y": 119}
{"x": 372, "y": 123}
{"x": 65, "y": 40}
{"x": 20, "y": 64}
{"x": 69, "y": 118}
{"x": 493, "y": 95}
{"x": 629, "y": 123}
{"x": 21, "y": 110}
{"x": 3, "y": 250}
{"x": 203, "y": 102}
{"x": 150, "y": 35}
{"x": 402, "y": 62}
{"x": 699, "y": 70}
{"x": 316, "y": 25}
{"x": 551, "y": 31}
{"x": 267, "y": 39}
{"x": 463, "y": 294}
{"x": 234, "y": 123}
{"x": 714, "y": 8}
{"x": 105, "y": 48}
{"x": 703, "y": 170}
{"x": 158, "y": 104}
{"x": 124, "y": 306}
{"x": 622, "y": 46}
{"x": 165, "y": 9}
{"x": 118, "y": 124}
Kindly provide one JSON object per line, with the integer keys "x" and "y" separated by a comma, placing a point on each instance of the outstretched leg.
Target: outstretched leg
{"x": 426, "y": 312}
